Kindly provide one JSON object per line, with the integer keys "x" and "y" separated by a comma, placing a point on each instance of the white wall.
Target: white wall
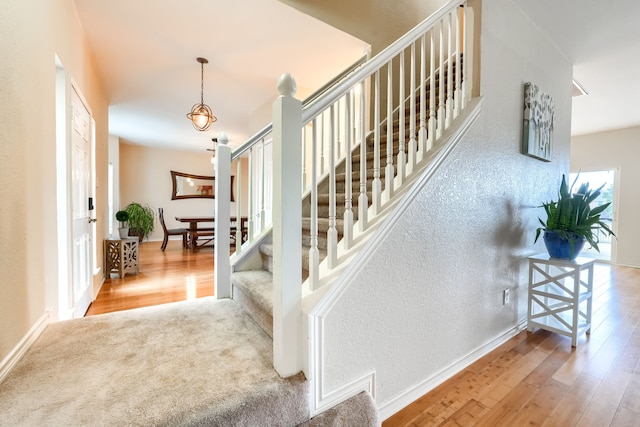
{"x": 32, "y": 33}
{"x": 145, "y": 177}
{"x": 432, "y": 293}
{"x": 616, "y": 149}
{"x": 377, "y": 22}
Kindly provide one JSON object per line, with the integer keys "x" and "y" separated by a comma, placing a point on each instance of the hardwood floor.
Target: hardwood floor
{"x": 539, "y": 379}
{"x": 176, "y": 274}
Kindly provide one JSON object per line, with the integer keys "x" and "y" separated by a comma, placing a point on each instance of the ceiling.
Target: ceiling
{"x": 146, "y": 51}
{"x": 602, "y": 40}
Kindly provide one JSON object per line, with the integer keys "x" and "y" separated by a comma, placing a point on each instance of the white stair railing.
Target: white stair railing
{"x": 344, "y": 139}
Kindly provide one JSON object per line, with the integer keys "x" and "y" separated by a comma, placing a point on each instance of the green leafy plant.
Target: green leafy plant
{"x": 122, "y": 216}
{"x": 571, "y": 216}
{"x": 141, "y": 219}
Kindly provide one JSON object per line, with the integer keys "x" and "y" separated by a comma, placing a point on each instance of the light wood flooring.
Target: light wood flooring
{"x": 176, "y": 274}
{"x": 538, "y": 379}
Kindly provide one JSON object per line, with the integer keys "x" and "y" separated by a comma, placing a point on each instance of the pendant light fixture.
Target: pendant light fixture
{"x": 201, "y": 116}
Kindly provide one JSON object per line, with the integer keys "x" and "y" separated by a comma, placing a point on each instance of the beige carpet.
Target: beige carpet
{"x": 192, "y": 363}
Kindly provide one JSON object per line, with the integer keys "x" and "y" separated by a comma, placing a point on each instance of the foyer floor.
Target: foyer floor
{"x": 174, "y": 275}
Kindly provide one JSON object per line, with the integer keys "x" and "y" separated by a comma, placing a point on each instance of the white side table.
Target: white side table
{"x": 121, "y": 256}
{"x": 560, "y": 296}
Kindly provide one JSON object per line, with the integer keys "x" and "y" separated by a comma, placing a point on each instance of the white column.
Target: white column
{"x": 287, "y": 229}
{"x": 222, "y": 213}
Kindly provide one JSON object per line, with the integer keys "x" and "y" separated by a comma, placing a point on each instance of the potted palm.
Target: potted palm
{"x": 123, "y": 217}
{"x": 571, "y": 221}
{"x": 141, "y": 219}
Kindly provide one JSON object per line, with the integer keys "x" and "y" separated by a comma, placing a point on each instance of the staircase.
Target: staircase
{"x": 365, "y": 145}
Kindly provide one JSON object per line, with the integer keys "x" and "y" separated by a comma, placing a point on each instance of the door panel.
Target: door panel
{"x": 81, "y": 287}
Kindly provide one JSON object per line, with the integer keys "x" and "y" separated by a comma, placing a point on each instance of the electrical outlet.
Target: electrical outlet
{"x": 505, "y": 297}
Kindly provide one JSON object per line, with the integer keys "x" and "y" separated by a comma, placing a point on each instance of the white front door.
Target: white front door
{"x": 80, "y": 292}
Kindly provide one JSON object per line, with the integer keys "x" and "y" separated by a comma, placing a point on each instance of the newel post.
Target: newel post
{"x": 287, "y": 228}
{"x": 222, "y": 214}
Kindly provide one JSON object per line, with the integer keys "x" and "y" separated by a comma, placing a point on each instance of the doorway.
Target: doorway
{"x": 75, "y": 165}
{"x": 595, "y": 179}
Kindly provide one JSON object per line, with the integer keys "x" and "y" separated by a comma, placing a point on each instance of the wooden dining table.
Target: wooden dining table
{"x": 208, "y": 233}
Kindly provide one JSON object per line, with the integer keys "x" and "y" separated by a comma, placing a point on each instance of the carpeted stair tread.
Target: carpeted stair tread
{"x": 323, "y": 198}
{"x": 253, "y": 290}
{"x": 192, "y": 363}
{"x": 323, "y": 225}
{"x": 360, "y": 410}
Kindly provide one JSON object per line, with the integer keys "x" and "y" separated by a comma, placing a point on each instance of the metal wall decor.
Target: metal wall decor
{"x": 538, "y": 123}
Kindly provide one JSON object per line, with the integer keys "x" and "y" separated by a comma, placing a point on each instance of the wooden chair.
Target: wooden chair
{"x": 171, "y": 232}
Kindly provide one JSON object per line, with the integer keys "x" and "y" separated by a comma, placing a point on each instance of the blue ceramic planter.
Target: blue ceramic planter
{"x": 560, "y": 247}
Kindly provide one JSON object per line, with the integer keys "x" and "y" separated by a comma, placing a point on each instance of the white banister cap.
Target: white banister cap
{"x": 287, "y": 85}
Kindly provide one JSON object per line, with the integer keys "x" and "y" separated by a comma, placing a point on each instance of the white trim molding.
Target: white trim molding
{"x": 401, "y": 401}
{"x": 320, "y": 401}
{"x": 23, "y": 346}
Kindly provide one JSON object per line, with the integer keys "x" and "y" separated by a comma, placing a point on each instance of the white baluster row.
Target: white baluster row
{"x": 438, "y": 58}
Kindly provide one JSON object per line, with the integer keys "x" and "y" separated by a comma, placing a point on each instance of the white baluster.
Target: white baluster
{"x": 389, "y": 170}
{"x": 412, "y": 113}
{"x": 402, "y": 159}
{"x": 348, "y": 208}
{"x": 263, "y": 183}
{"x": 252, "y": 197}
{"x": 376, "y": 185}
{"x": 457, "y": 94}
{"x": 238, "y": 200}
{"x": 322, "y": 144}
{"x": 449, "y": 102}
{"x": 441, "y": 94}
{"x": 467, "y": 60}
{"x": 422, "y": 131}
{"x": 363, "y": 199}
{"x": 314, "y": 255}
{"x": 338, "y": 131}
{"x": 304, "y": 159}
{"x": 332, "y": 233}
{"x": 432, "y": 91}
{"x": 222, "y": 213}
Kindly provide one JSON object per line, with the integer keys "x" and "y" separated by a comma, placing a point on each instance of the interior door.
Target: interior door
{"x": 80, "y": 292}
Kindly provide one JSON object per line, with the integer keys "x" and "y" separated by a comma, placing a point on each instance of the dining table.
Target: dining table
{"x": 208, "y": 232}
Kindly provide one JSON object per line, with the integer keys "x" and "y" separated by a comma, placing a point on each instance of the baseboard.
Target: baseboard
{"x": 23, "y": 346}
{"x": 387, "y": 409}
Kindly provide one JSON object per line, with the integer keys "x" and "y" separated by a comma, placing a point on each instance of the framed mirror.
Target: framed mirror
{"x": 188, "y": 186}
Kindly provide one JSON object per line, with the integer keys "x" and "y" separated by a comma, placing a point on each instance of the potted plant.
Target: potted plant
{"x": 123, "y": 217}
{"x": 141, "y": 219}
{"x": 571, "y": 221}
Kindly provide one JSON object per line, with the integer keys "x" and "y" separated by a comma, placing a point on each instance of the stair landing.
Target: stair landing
{"x": 199, "y": 362}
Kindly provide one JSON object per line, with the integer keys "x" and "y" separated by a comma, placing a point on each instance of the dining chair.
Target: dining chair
{"x": 171, "y": 232}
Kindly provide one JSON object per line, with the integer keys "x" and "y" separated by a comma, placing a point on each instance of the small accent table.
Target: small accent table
{"x": 121, "y": 256}
{"x": 560, "y": 297}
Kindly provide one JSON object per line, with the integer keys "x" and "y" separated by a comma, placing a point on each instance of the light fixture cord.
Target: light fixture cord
{"x": 201, "y": 83}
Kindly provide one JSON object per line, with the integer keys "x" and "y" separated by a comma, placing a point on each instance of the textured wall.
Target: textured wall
{"x": 617, "y": 149}
{"x": 23, "y": 92}
{"x": 432, "y": 293}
